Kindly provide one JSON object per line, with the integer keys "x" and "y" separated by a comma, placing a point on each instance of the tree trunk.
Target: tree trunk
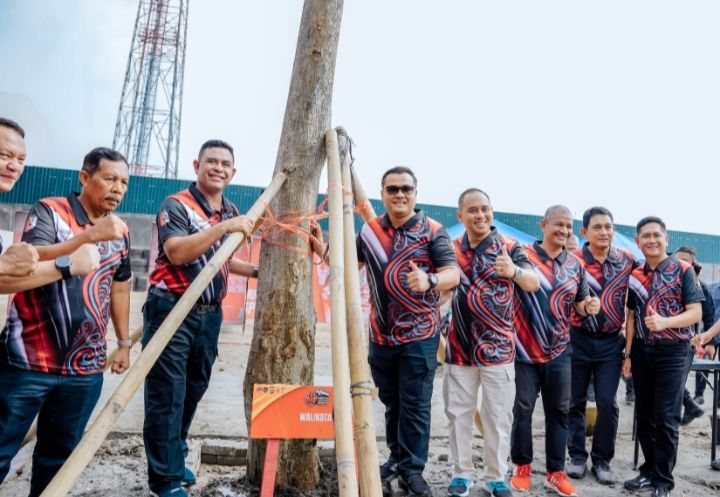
{"x": 283, "y": 345}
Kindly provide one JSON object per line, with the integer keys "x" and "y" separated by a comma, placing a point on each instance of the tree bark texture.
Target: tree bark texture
{"x": 283, "y": 344}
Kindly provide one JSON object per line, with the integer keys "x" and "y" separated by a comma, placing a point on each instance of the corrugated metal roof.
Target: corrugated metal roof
{"x": 146, "y": 194}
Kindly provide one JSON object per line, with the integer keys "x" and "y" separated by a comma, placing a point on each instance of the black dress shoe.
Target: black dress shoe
{"x": 692, "y": 412}
{"x": 715, "y": 465}
{"x": 415, "y": 485}
{"x": 638, "y": 484}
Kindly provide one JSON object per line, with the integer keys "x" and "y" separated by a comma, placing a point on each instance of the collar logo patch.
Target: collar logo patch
{"x": 31, "y": 222}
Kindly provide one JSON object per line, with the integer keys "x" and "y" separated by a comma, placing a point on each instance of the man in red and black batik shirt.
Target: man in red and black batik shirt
{"x": 52, "y": 349}
{"x": 20, "y": 259}
{"x": 664, "y": 303}
{"x": 409, "y": 259}
{"x": 480, "y": 348}
{"x": 597, "y": 345}
{"x": 542, "y": 324}
{"x": 192, "y": 224}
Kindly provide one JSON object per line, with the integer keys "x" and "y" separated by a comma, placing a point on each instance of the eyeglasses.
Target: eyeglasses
{"x": 395, "y": 189}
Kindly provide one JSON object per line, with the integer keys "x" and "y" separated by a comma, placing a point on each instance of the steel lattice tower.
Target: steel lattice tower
{"x": 147, "y": 130}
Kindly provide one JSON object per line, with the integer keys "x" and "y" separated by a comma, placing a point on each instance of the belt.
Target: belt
{"x": 198, "y": 307}
{"x": 661, "y": 343}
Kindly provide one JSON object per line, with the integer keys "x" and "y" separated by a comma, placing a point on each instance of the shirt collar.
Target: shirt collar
{"x": 483, "y": 244}
{"x": 613, "y": 254}
{"x": 416, "y": 218}
{"x": 78, "y": 210}
{"x": 562, "y": 256}
{"x": 200, "y": 199}
{"x": 659, "y": 267}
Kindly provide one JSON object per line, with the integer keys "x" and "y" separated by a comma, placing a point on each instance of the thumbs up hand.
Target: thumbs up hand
{"x": 653, "y": 320}
{"x": 504, "y": 266}
{"x": 417, "y": 279}
{"x": 592, "y": 306}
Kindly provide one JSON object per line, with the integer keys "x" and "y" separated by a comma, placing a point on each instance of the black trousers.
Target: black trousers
{"x": 174, "y": 387}
{"x": 659, "y": 372}
{"x": 553, "y": 380}
{"x": 404, "y": 376}
{"x": 599, "y": 358}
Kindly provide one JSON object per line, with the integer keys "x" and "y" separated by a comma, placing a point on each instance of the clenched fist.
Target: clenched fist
{"x": 20, "y": 259}
{"x": 85, "y": 260}
{"x": 106, "y": 229}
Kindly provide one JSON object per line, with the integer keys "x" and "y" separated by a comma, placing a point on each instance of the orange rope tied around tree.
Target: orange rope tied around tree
{"x": 275, "y": 228}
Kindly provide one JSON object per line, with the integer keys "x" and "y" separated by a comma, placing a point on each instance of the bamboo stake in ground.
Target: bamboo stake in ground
{"x": 115, "y": 406}
{"x": 134, "y": 336}
{"x": 361, "y": 387}
{"x": 344, "y": 449}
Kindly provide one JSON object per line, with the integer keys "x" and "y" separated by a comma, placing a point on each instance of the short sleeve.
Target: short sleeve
{"x": 692, "y": 293}
{"x": 519, "y": 257}
{"x": 442, "y": 251}
{"x": 40, "y": 226}
{"x": 631, "y": 299}
{"x": 124, "y": 270}
{"x": 172, "y": 220}
{"x": 583, "y": 290}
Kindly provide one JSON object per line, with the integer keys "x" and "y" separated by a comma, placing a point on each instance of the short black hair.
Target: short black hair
{"x": 398, "y": 170}
{"x": 9, "y": 123}
{"x": 688, "y": 249}
{"x": 648, "y": 220}
{"x": 92, "y": 160}
{"x": 595, "y": 211}
{"x": 467, "y": 192}
{"x": 216, "y": 144}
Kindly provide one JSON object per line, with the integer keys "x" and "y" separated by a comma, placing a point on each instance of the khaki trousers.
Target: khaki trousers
{"x": 461, "y": 386}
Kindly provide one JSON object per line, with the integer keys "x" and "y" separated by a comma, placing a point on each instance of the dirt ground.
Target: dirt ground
{"x": 119, "y": 468}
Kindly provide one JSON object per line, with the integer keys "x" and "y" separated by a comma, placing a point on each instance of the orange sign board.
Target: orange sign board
{"x": 292, "y": 411}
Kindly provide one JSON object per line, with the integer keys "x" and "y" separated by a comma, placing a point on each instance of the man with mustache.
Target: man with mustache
{"x": 597, "y": 343}
{"x": 480, "y": 347}
{"x": 52, "y": 348}
{"x": 663, "y": 305}
{"x": 542, "y": 324}
{"x": 192, "y": 224}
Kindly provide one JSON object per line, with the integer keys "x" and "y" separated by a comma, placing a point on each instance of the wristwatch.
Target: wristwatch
{"x": 63, "y": 264}
{"x": 626, "y": 355}
{"x": 432, "y": 280}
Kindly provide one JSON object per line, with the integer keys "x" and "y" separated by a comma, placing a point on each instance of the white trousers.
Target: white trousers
{"x": 460, "y": 392}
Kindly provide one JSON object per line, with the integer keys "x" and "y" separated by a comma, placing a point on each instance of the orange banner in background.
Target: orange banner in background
{"x": 292, "y": 411}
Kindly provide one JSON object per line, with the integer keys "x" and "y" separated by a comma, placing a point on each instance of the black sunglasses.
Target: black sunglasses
{"x": 394, "y": 189}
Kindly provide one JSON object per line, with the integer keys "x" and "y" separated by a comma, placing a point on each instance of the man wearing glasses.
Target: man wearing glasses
{"x": 409, "y": 259}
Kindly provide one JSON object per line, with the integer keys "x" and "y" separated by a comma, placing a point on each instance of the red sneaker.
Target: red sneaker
{"x": 558, "y": 481}
{"x": 520, "y": 480}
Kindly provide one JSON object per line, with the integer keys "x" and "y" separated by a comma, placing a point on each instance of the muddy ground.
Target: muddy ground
{"x": 119, "y": 470}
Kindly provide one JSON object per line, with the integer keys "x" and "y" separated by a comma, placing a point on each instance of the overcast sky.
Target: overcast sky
{"x": 614, "y": 103}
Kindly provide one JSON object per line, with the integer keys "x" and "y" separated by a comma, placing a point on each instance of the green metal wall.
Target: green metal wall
{"x": 145, "y": 195}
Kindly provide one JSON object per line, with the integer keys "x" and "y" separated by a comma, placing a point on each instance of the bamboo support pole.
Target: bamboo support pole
{"x": 361, "y": 386}
{"x": 134, "y": 336}
{"x": 344, "y": 448}
{"x": 367, "y": 212}
{"x": 63, "y": 481}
